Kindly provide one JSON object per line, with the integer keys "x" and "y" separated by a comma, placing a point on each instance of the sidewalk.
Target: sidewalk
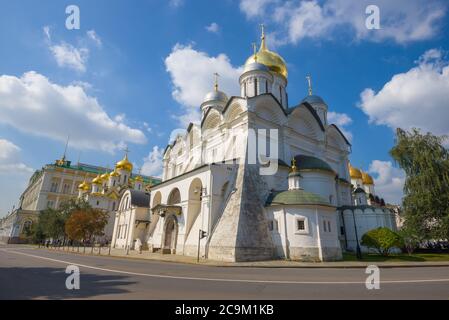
{"x": 145, "y": 255}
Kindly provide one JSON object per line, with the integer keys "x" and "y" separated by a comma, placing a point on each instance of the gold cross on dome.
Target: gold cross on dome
{"x": 309, "y": 80}
{"x": 216, "y": 75}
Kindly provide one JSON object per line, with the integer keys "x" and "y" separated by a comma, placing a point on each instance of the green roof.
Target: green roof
{"x": 299, "y": 197}
{"x": 312, "y": 163}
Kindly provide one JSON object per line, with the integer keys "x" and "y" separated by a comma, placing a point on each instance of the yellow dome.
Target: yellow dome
{"x": 105, "y": 176}
{"x": 114, "y": 174}
{"x": 97, "y": 180}
{"x": 124, "y": 164}
{"x": 367, "y": 179}
{"x": 268, "y": 58}
{"x": 138, "y": 179}
{"x": 355, "y": 173}
{"x": 84, "y": 186}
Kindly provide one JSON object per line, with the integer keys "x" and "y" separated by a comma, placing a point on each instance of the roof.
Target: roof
{"x": 312, "y": 163}
{"x": 139, "y": 198}
{"x": 296, "y": 197}
{"x": 359, "y": 190}
{"x": 311, "y": 110}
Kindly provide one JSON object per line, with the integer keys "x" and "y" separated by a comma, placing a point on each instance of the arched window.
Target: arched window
{"x": 255, "y": 87}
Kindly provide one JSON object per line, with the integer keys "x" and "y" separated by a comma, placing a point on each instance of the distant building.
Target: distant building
{"x": 61, "y": 181}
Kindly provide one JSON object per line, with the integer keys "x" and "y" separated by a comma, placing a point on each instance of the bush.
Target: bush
{"x": 383, "y": 240}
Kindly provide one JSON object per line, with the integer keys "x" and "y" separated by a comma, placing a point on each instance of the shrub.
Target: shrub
{"x": 382, "y": 239}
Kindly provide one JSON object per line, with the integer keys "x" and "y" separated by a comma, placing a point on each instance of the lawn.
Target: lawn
{"x": 415, "y": 257}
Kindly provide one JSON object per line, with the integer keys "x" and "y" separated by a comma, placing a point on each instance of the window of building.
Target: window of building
{"x": 266, "y": 86}
{"x": 329, "y": 226}
{"x": 54, "y": 187}
{"x": 271, "y": 225}
{"x": 301, "y": 225}
{"x": 255, "y": 87}
{"x": 324, "y": 226}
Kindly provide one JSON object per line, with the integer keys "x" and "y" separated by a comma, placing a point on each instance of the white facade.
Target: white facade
{"x": 215, "y": 177}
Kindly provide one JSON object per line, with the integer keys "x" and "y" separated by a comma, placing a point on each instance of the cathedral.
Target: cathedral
{"x": 257, "y": 179}
{"x": 106, "y": 189}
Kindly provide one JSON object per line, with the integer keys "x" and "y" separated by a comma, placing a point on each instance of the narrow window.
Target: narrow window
{"x": 244, "y": 89}
{"x": 280, "y": 95}
{"x": 255, "y": 87}
{"x": 266, "y": 86}
{"x": 300, "y": 225}
{"x": 329, "y": 226}
{"x": 324, "y": 226}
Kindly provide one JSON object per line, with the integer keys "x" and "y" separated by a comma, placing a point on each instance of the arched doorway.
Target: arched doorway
{"x": 170, "y": 235}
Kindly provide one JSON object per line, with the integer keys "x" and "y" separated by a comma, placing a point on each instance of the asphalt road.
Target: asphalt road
{"x": 27, "y": 273}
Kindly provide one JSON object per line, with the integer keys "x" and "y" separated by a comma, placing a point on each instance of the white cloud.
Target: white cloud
{"x": 255, "y": 8}
{"x": 417, "y": 98}
{"x": 68, "y": 56}
{"x": 95, "y": 38}
{"x": 388, "y": 180}
{"x": 35, "y": 105}
{"x": 10, "y": 162}
{"x": 191, "y": 72}
{"x": 152, "y": 165}
{"x": 213, "y": 27}
{"x": 401, "y": 21}
{"x": 342, "y": 120}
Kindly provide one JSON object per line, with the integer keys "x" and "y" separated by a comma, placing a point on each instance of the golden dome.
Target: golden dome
{"x": 104, "y": 176}
{"x": 114, "y": 174}
{"x": 124, "y": 164}
{"x": 367, "y": 179}
{"x": 355, "y": 173}
{"x": 138, "y": 179}
{"x": 97, "y": 180}
{"x": 84, "y": 186}
{"x": 268, "y": 58}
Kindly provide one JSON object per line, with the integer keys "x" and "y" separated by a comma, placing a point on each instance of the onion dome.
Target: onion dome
{"x": 367, "y": 179}
{"x": 84, "y": 186}
{"x": 216, "y": 95}
{"x": 104, "y": 176}
{"x": 354, "y": 172}
{"x": 138, "y": 179}
{"x": 255, "y": 66}
{"x": 314, "y": 99}
{"x": 114, "y": 174}
{"x": 124, "y": 164}
{"x": 270, "y": 59}
{"x": 97, "y": 180}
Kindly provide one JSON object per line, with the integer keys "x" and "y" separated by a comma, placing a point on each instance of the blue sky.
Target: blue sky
{"x": 134, "y": 73}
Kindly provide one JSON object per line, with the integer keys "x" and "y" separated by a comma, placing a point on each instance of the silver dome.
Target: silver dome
{"x": 216, "y": 96}
{"x": 313, "y": 99}
{"x": 255, "y": 67}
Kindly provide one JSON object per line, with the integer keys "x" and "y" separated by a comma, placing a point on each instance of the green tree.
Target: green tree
{"x": 426, "y": 191}
{"x": 382, "y": 239}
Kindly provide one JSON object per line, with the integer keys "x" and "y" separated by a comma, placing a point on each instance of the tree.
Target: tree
{"x": 426, "y": 191}
{"x": 50, "y": 224}
{"x": 382, "y": 239}
{"x": 410, "y": 238}
{"x": 85, "y": 224}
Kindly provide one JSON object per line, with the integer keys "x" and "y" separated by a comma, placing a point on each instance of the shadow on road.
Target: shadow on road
{"x": 49, "y": 283}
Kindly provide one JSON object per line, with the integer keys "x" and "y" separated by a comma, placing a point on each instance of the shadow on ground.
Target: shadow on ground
{"x": 49, "y": 283}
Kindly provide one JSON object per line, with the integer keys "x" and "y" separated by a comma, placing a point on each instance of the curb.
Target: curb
{"x": 235, "y": 265}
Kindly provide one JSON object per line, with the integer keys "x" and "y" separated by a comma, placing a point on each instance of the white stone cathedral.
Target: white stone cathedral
{"x": 216, "y": 199}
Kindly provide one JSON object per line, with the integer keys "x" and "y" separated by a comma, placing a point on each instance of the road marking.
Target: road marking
{"x": 218, "y": 279}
